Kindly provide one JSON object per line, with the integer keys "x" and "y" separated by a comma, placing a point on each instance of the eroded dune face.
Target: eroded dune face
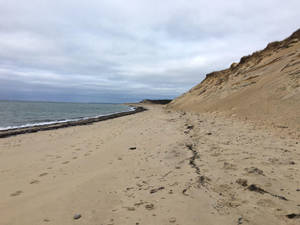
{"x": 264, "y": 86}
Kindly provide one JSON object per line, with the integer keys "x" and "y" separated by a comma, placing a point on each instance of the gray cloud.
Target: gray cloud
{"x": 125, "y": 51}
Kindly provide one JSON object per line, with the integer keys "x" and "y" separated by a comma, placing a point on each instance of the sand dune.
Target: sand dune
{"x": 263, "y": 87}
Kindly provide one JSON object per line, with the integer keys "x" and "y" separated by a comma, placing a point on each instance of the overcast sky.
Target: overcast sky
{"x": 127, "y": 50}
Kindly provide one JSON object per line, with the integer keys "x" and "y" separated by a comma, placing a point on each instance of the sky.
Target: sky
{"x": 126, "y": 51}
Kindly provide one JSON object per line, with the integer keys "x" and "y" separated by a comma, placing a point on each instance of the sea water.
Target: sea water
{"x": 17, "y": 114}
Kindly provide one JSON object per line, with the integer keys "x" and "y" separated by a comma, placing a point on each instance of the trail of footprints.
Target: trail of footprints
{"x": 55, "y": 159}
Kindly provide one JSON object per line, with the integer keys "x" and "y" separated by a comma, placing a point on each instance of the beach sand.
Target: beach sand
{"x": 155, "y": 167}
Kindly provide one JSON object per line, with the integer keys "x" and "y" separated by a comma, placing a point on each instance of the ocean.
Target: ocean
{"x": 18, "y": 114}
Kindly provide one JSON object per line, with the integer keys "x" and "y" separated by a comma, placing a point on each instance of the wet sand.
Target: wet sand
{"x": 153, "y": 167}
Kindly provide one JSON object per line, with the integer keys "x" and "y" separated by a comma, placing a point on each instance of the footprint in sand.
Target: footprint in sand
{"x": 229, "y": 166}
{"x": 34, "y": 181}
{"x": 66, "y": 162}
{"x": 265, "y": 203}
{"x": 43, "y": 174}
{"x": 16, "y": 193}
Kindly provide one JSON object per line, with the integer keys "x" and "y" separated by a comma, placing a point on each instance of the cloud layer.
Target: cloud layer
{"x": 118, "y": 51}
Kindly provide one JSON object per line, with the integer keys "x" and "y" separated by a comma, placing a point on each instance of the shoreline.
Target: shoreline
{"x": 58, "y": 125}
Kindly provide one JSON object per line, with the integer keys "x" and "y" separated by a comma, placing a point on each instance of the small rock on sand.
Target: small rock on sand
{"x": 293, "y": 216}
{"x": 254, "y": 170}
{"x": 77, "y": 216}
{"x": 149, "y": 206}
{"x": 190, "y": 127}
{"x": 242, "y": 182}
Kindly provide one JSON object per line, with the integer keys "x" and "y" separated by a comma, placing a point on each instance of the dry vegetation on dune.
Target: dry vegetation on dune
{"x": 263, "y": 87}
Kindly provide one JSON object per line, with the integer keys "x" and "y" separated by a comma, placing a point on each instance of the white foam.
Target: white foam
{"x": 60, "y": 121}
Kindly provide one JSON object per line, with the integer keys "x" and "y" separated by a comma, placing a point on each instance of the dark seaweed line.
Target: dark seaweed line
{"x": 13, "y": 132}
{"x": 193, "y": 158}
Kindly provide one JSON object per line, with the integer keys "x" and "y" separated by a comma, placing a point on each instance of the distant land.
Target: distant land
{"x": 156, "y": 101}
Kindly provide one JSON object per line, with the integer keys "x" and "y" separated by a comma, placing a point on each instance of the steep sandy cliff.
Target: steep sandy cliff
{"x": 263, "y": 87}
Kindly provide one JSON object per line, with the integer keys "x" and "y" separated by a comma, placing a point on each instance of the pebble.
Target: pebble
{"x": 242, "y": 182}
{"x": 77, "y": 216}
{"x": 149, "y": 206}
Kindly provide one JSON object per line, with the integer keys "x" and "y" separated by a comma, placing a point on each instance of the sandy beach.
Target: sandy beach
{"x": 155, "y": 167}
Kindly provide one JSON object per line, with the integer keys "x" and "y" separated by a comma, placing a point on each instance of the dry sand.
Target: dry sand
{"x": 184, "y": 168}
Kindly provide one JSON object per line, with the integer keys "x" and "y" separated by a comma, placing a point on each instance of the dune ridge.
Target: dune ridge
{"x": 263, "y": 87}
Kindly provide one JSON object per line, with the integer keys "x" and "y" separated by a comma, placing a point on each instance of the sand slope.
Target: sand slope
{"x": 184, "y": 169}
{"x": 263, "y": 87}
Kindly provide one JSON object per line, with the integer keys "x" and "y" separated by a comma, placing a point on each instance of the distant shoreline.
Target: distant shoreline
{"x": 58, "y": 125}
